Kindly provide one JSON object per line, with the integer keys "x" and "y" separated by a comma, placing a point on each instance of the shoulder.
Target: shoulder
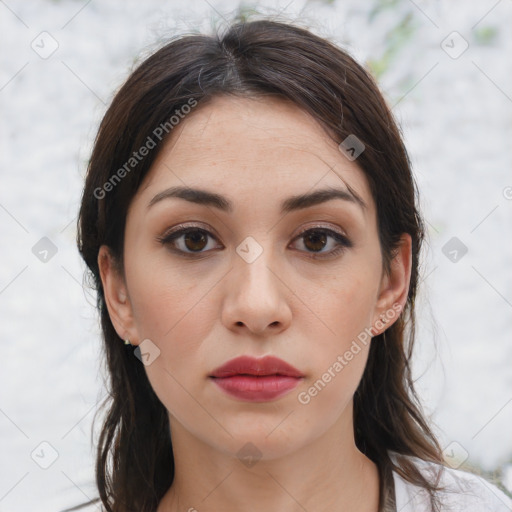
{"x": 463, "y": 491}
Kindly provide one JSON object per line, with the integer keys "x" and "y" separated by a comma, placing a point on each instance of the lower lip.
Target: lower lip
{"x": 257, "y": 389}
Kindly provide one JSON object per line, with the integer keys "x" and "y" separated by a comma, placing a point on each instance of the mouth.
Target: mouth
{"x": 256, "y": 380}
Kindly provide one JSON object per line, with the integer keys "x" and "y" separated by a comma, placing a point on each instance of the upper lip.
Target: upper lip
{"x": 268, "y": 365}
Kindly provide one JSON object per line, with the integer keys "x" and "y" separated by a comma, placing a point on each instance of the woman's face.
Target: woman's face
{"x": 249, "y": 282}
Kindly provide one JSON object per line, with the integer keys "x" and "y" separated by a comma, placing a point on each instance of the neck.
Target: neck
{"x": 328, "y": 474}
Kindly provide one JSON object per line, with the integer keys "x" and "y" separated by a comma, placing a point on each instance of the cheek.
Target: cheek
{"x": 339, "y": 357}
{"x": 168, "y": 299}
{"x": 177, "y": 317}
{"x": 173, "y": 308}
{"x": 344, "y": 305}
{"x": 331, "y": 389}
{"x": 339, "y": 329}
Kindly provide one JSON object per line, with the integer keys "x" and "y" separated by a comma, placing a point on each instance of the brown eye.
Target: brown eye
{"x": 315, "y": 240}
{"x": 187, "y": 241}
{"x": 195, "y": 240}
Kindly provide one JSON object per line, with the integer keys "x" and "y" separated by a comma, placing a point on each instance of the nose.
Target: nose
{"x": 257, "y": 298}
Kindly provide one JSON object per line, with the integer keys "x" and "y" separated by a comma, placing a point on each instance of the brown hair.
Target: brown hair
{"x": 135, "y": 466}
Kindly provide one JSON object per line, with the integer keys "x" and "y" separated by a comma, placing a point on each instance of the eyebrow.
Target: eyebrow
{"x": 293, "y": 203}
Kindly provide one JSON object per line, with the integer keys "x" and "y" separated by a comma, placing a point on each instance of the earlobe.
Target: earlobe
{"x": 116, "y": 297}
{"x": 395, "y": 285}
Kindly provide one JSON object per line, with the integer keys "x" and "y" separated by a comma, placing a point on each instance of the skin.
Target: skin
{"x": 205, "y": 311}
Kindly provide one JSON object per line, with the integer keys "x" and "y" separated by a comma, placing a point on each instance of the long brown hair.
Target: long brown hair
{"x": 134, "y": 465}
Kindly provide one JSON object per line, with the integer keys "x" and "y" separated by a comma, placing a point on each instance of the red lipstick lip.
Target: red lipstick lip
{"x": 252, "y": 388}
{"x": 247, "y": 365}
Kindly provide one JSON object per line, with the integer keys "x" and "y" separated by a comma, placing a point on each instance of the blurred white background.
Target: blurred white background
{"x": 444, "y": 66}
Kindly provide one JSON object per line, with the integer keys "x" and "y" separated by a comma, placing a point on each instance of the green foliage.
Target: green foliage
{"x": 381, "y": 5}
{"x": 494, "y": 476}
{"x": 395, "y": 39}
{"x": 245, "y": 12}
{"x": 485, "y": 35}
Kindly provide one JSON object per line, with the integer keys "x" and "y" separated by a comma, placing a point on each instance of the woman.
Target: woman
{"x": 250, "y": 223}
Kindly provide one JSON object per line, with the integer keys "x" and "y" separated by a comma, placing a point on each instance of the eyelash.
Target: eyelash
{"x": 342, "y": 242}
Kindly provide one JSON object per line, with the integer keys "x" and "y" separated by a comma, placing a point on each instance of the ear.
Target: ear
{"x": 116, "y": 296}
{"x": 394, "y": 287}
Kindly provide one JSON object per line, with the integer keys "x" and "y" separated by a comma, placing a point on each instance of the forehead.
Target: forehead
{"x": 250, "y": 146}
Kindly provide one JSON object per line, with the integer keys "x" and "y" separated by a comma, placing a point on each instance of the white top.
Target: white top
{"x": 465, "y": 492}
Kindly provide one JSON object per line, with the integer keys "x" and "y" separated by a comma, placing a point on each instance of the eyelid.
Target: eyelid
{"x": 184, "y": 225}
{"x": 324, "y": 227}
{"x": 199, "y": 225}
